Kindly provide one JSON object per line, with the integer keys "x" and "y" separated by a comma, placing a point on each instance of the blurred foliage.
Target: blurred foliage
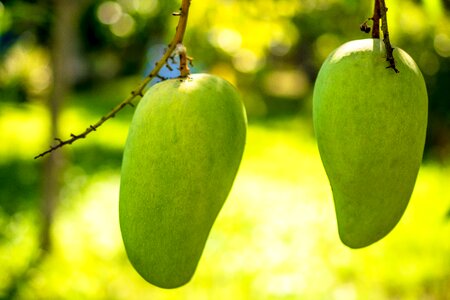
{"x": 276, "y": 236}
{"x": 271, "y": 49}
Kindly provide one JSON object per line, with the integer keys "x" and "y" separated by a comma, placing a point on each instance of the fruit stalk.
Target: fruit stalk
{"x": 380, "y": 13}
{"x": 184, "y": 60}
{"x": 387, "y": 43}
{"x": 376, "y": 20}
{"x": 177, "y": 39}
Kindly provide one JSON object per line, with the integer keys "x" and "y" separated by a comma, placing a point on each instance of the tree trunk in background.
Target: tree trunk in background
{"x": 64, "y": 54}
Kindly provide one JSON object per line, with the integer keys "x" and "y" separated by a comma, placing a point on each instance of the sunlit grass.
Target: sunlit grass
{"x": 22, "y": 128}
{"x": 275, "y": 238}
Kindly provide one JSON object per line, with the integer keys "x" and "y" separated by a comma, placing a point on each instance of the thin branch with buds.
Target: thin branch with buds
{"x": 138, "y": 92}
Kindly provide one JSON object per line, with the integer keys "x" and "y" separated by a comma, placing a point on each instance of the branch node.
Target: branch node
{"x": 364, "y": 27}
{"x": 169, "y": 67}
{"x": 137, "y": 93}
{"x": 190, "y": 60}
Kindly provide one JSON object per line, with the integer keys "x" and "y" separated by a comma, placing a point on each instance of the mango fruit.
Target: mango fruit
{"x": 182, "y": 154}
{"x": 370, "y": 125}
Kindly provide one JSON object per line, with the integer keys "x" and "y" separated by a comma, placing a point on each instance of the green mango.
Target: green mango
{"x": 182, "y": 154}
{"x": 370, "y": 125}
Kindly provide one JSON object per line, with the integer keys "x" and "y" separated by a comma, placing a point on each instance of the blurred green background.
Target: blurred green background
{"x": 64, "y": 64}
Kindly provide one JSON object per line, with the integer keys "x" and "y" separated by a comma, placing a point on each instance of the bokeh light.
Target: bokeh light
{"x": 109, "y": 12}
{"x": 442, "y": 44}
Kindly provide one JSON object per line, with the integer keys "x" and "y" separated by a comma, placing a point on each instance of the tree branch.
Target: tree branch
{"x": 177, "y": 39}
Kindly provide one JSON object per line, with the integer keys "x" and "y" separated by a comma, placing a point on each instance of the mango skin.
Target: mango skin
{"x": 370, "y": 125}
{"x": 183, "y": 150}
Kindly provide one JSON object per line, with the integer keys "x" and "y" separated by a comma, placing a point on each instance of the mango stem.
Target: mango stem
{"x": 376, "y": 20}
{"x": 380, "y": 13}
{"x": 387, "y": 43}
